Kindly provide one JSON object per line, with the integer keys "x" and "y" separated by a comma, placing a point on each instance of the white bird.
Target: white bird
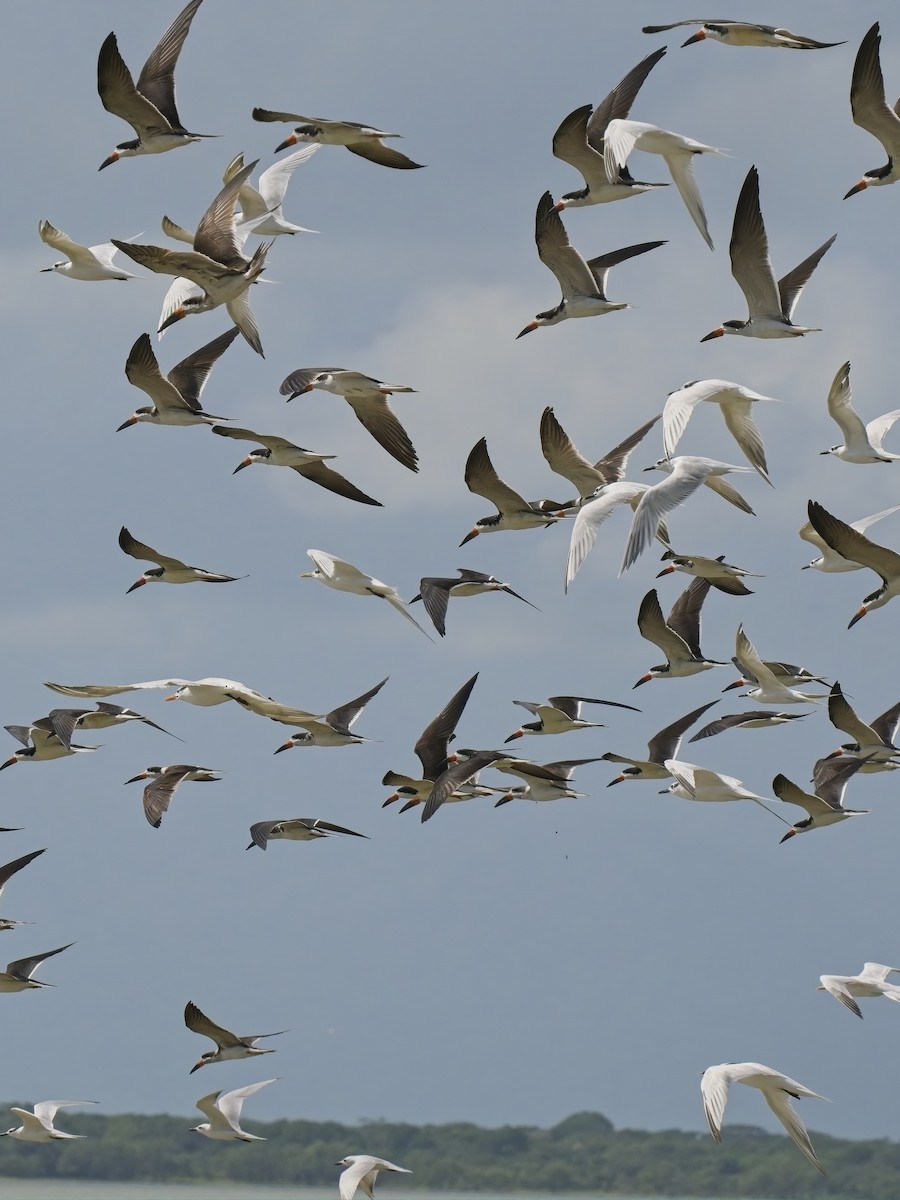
{"x": 6, "y": 873}
{"x": 40, "y": 743}
{"x": 362, "y": 1171}
{"x": 364, "y": 140}
{"x": 160, "y": 790}
{"x": 513, "y": 510}
{"x": 279, "y": 452}
{"x": 583, "y": 283}
{"x": 344, "y": 577}
{"x": 149, "y": 106}
{"x": 367, "y": 397}
{"x": 678, "y": 636}
{"x": 871, "y": 981}
{"x": 825, "y": 806}
{"x": 38, "y": 1126}
{"x": 18, "y": 974}
{"x": 561, "y": 714}
{"x": 216, "y": 266}
{"x": 734, "y": 401}
{"x": 685, "y": 473}
{"x": 852, "y": 545}
{"x": 707, "y": 787}
{"x": 228, "y": 1045}
{"x": 777, "y": 1090}
{"x": 830, "y": 561}
{"x": 224, "y": 1112}
{"x": 663, "y": 745}
{"x": 579, "y": 142}
{"x": 678, "y": 151}
{"x": 722, "y": 575}
{"x": 335, "y": 727}
{"x": 769, "y": 688}
{"x": 771, "y": 304}
{"x": 169, "y": 570}
{"x": 175, "y": 396}
{"x": 435, "y": 593}
{"x": 872, "y": 112}
{"x": 592, "y": 514}
{"x": 90, "y": 263}
{"x": 863, "y": 443}
{"x": 296, "y": 829}
{"x": 744, "y": 33}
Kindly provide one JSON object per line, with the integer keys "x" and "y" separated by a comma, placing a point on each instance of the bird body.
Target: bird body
{"x": 678, "y": 636}
{"x": 825, "y": 805}
{"x": 364, "y": 140}
{"x": 848, "y": 542}
{"x": 344, "y": 577}
{"x": 160, "y": 790}
{"x": 361, "y": 1172}
{"x": 831, "y": 561}
{"x": 744, "y": 33}
{"x": 89, "y": 263}
{"x": 170, "y": 570}
{"x": 176, "y": 396}
{"x": 871, "y": 981}
{"x": 435, "y": 593}
{"x": 769, "y": 688}
{"x": 735, "y": 402}
{"x": 872, "y": 112}
{"x": 295, "y": 829}
{"x": 723, "y": 576}
{"x": 561, "y": 714}
{"x": 228, "y": 1045}
{"x": 862, "y": 443}
{"x": 334, "y": 728}
{"x": 224, "y": 1112}
{"x": 38, "y": 1126}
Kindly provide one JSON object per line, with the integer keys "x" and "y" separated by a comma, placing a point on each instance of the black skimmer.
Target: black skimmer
{"x": 678, "y": 636}
{"x": 362, "y": 1171}
{"x": 40, "y": 743}
{"x": 579, "y": 142}
{"x": 830, "y": 561}
{"x": 561, "y": 714}
{"x": 224, "y": 1112}
{"x": 583, "y": 283}
{"x": 770, "y": 688}
{"x": 543, "y": 781}
{"x": 163, "y": 781}
{"x": 334, "y": 728}
{"x": 513, "y": 510}
{"x": 777, "y": 1090}
{"x": 369, "y": 400}
{"x": 466, "y": 765}
{"x": 364, "y": 140}
{"x": 228, "y": 1045}
{"x": 678, "y": 152}
{"x": 90, "y": 263}
{"x": 296, "y": 829}
{"x": 745, "y": 720}
{"x": 431, "y": 750}
{"x": 435, "y": 593}
{"x": 863, "y": 443}
{"x": 563, "y": 458}
{"x": 770, "y": 303}
{"x": 744, "y": 33}
{"x": 215, "y": 269}
{"x": 663, "y": 745}
{"x": 148, "y": 106}
{"x": 6, "y": 873}
{"x": 64, "y": 721}
{"x": 18, "y": 974}
{"x": 852, "y": 545}
{"x": 874, "y": 742}
{"x": 872, "y": 112}
{"x": 279, "y": 452}
{"x": 722, "y": 575}
{"x": 170, "y": 570}
{"x": 38, "y": 1126}
{"x": 175, "y": 396}
{"x": 344, "y": 577}
{"x": 825, "y": 805}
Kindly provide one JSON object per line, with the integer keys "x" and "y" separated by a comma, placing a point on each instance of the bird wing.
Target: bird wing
{"x": 119, "y": 96}
{"x": 665, "y": 744}
{"x": 681, "y": 164}
{"x": 779, "y": 1100}
{"x": 299, "y": 381}
{"x": 238, "y": 308}
{"x": 653, "y": 627}
{"x": 571, "y": 145}
{"x": 790, "y": 793}
{"x": 343, "y": 718}
{"x": 658, "y": 500}
{"x": 332, "y": 481}
{"x": 141, "y": 551}
{"x": 10, "y": 869}
{"x": 744, "y": 430}
{"x": 207, "y": 1105}
{"x": 617, "y": 105}
{"x": 431, "y": 747}
{"x": 33, "y": 1123}
{"x": 142, "y": 371}
{"x": 189, "y": 376}
{"x": 749, "y": 661}
{"x": 684, "y": 618}
{"x": 591, "y": 516}
{"x": 460, "y": 772}
{"x": 92, "y": 690}
{"x": 435, "y": 595}
{"x": 837, "y": 987}
{"x": 885, "y": 725}
{"x": 877, "y": 429}
{"x": 853, "y": 545}
{"x": 386, "y": 156}
{"x": 483, "y": 480}
{"x": 791, "y": 285}
{"x": 61, "y": 241}
{"x": 358, "y": 1174}
{"x": 215, "y": 236}
{"x": 260, "y": 831}
{"x": 868, "y": 105}
{"x": 273, "y": 182}
{"x": 180, "y": 290}
{"x": 231, "y": 1103}
{"x": 618, "y": 142}
{"x": 198, "y": 1022}
{"x": 840, "y": 407}
{"x": 603, "y": 263}
{"x": 677, "y": 412}
{"x": 556, "y": 252}
{"x": 24, "y": 968}
{"x": 714, "y": 1090}
{"x": 63, "y": 722}
{"x": 375, "y": 413}
{"x": 751, "y": 265}
{"x": 613, "y": 464}
{"x": 159, "y": 792}
{"x": 563, "y": 458}
{"x": 270, "y": 441}
{"x": 843, "y": 716}
{"x": 327, "y": 827}
{"x": 830, "y": 779}
{"x": 178, "y": 232}
{"x": 156, "y": 81}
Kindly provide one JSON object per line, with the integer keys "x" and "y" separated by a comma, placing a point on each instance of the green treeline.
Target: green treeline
{"x": 583, "y": 1153}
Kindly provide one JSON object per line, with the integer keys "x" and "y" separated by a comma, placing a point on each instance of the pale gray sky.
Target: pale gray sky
{"x": 500, "y": 966}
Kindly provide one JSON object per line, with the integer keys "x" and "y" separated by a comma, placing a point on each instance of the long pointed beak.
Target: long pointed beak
{"x": 665, "y": 571}
{"x": 9, "y": 762}
{"x": 126, "y": 424}
{"x": 245, "y": 462}
{"x": 643, "y": 679}
{"x": 512, "y": 737}
{"x": 290, "y": 140}
{"x": 857, "y": 617}
{"x": 618, "y": 779}
{"x": 790, "y": 833}
{"x": 288, "y": 745}
{"x": 42, "y": 271}
{"x": 857, "y": 187}
{"x": 409, "y": 804}
{"x": 176, "y": 316}
{"x": 528, "y": 329}
{"x": 201, "y": 1063}
{"x": 391, "y": 799}
{"x": 737, "y": 683}
{"x": 699, "y": 36}
{"x": 135, "y": 778}
{"x": 107, "y": 162}
{"x": 299, "y": 392}
{"x": 720, "y": 332}
{"x": 473, "y": 533}
{"x": 140, "y": 583}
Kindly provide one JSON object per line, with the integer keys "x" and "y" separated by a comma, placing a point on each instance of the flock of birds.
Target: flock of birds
{"x": 217, "y": 270}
